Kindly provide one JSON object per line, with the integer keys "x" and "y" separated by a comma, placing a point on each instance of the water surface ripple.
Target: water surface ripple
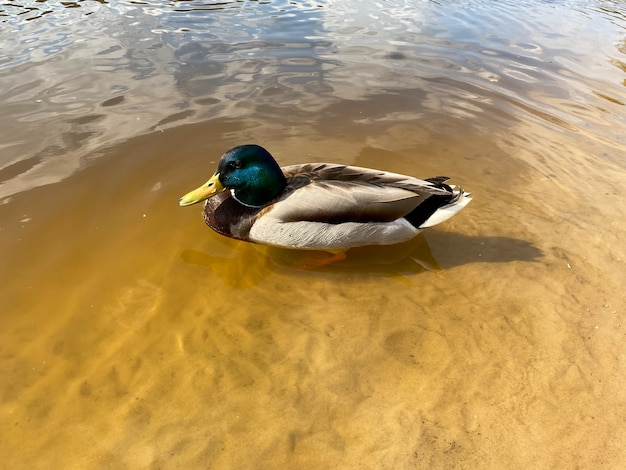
{"x": 88, "y": 74}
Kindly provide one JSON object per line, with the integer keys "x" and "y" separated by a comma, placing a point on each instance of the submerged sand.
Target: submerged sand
{"x": 133, "y": 337}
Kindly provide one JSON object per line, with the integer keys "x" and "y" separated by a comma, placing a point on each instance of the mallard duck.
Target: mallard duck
{"x": 319, "y": 206}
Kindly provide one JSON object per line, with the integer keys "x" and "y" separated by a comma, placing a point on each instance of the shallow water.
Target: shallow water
{"x": 134, "y": 337}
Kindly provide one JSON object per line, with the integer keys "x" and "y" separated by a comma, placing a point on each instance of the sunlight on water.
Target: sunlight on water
{"x": 134, "y": 337}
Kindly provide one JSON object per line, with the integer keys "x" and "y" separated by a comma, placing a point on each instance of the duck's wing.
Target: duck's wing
{"x": 334, "y": 194}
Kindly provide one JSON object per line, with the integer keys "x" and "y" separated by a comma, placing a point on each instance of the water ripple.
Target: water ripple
{"x": 147, "y": 65}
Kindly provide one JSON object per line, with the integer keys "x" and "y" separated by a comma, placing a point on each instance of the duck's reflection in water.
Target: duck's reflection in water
{"x": 246, "y": 264}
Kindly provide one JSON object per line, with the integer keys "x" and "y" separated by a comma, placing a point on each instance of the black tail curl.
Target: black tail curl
{"x": 432, "y": 203}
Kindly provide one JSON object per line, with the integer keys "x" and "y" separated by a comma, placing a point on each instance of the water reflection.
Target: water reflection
{"x": 178, "y": 62}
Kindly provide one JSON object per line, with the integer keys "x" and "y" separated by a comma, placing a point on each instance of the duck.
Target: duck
{"x": 319, "y": 206}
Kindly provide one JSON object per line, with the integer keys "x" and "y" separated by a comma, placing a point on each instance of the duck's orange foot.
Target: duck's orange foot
{"x": 318, "y": 260}
{"x": 305, "y": 259}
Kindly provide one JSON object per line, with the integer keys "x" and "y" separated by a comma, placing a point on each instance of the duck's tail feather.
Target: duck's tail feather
{"x": 443, "y": 213}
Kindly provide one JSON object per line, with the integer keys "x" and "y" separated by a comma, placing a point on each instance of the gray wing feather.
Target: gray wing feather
{"x": 338, "y": 193}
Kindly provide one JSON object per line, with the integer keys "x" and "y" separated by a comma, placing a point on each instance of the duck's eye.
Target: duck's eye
{"x": 237, "y": 164}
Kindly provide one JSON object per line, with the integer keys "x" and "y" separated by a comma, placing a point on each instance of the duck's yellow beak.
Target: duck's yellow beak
{"x": 211, "y": 187}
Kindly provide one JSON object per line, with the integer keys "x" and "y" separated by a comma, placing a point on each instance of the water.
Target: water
{"x": 134, "y": 337}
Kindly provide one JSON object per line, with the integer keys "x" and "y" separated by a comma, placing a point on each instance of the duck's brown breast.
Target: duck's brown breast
{"x": 228, "y": 217}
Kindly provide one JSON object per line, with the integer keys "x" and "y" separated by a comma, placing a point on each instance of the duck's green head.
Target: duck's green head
{"x": 249, "y": 171}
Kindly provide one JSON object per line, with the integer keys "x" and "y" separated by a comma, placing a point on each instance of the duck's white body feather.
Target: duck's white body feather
{"x": 321, "y": 235}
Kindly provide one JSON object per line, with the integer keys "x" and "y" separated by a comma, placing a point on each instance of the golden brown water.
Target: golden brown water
{"x": 134, "y": 337}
